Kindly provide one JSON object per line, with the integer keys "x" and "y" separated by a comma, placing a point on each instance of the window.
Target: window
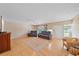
{"x": 67, "y": 30}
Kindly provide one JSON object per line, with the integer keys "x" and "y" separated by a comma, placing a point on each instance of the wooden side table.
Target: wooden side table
{"x": 4, "y": 41}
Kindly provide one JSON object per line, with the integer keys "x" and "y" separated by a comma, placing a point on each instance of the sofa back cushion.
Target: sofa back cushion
{"x": 46, "y": 32}
{"x": 34, "y": 32}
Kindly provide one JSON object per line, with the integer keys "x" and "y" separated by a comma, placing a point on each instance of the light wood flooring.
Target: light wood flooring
{"x": 19, "y": 48}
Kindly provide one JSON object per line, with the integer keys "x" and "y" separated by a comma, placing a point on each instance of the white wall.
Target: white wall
{"x": 58, "y": 28}
{"x": 16, "y": 28}
{"x": 75, "y": 27}
{"x": 58, "y": 31}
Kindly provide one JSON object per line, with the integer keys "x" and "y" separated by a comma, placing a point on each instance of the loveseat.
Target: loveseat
{"x": 45, "y": 35}
{"x": 32, "y": 34}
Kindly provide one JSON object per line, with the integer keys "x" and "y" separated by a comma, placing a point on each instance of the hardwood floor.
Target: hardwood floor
{"x": 19, "y": 48}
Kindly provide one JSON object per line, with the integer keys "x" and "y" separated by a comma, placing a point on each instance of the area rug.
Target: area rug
{"x": 37, "y": 43}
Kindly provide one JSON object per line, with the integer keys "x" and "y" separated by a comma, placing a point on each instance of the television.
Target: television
{"x": 1, "y": 24}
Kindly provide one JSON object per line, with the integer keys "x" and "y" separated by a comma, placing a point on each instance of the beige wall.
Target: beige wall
{"x": 0, "y": 23}
{"x": 16, "y": 28}
{"x": 58, "y": 28}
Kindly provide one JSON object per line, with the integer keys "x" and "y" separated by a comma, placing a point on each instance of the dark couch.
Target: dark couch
{"x": 32, "y": 34}
{"x": 45, "y": 35}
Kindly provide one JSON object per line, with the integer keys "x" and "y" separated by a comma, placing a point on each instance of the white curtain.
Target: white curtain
{"x": 2, "y": 25}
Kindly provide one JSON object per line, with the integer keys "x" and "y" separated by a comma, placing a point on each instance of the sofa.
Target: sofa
{"x": 45, "y": 35}
{"x": 32, "y": 34}
{"x": 68, "y": 42}
{"x": 72, "y": 45}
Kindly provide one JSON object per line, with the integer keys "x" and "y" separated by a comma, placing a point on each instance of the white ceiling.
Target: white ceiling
{"x": 39, "y": 13}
